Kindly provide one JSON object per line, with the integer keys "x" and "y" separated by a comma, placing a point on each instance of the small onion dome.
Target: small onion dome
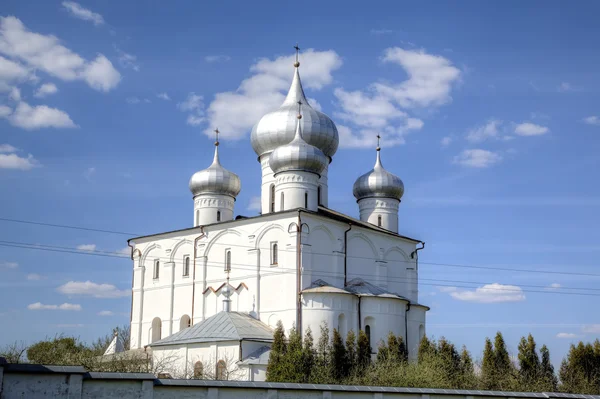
{"x": 215, "y": 179}
{"x": 378, "y": 183}
{"x": 276, "y": 128}
{"x": 298, "y": 155}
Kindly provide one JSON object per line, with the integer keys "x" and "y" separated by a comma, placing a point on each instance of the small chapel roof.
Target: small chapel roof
{"x": 224, "y": 326}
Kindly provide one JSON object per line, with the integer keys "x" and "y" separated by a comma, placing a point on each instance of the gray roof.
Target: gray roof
{"x": 224, "y": 326}
{"x": 361, "y": 287}
{"x": 259, "y": 356}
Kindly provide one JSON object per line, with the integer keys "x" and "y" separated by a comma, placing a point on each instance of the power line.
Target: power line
{"x": 64, "y": 226}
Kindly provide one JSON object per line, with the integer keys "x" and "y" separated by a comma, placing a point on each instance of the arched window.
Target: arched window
{"x": 221, "y": 370}
{"x": 197, "y": 218}
{"x": 421, "y": 332}
{"x": 342, "y": 325}
{"x": 198, "y": 370}
{"x": 306, "y": 200}
{"x": 282, "y": 203}
{"x": 156, "y": 329}
{"x": 186, "y": 266}
{"x": 274, "y": 255}
{"x": 218, "y": 216}
{"x": 156, "y": 269}
{"x": 272, "y": 198}
{"x": 319, "y": 195}
{"x": 379, "y": 220}
{"x": 368, "y": 333}
{"x": 185, "y": 322}
{"x": 228, "y": 260}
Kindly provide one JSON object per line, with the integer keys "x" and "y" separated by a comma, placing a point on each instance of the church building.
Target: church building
{"x": 210, "y": 295}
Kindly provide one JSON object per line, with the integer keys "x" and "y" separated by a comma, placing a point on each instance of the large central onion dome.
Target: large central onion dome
{"x": 277, "y": 128}
{"x": 378, "y": 183}
{"x": 215, "y": 179}
{"x": 298, "y": 155}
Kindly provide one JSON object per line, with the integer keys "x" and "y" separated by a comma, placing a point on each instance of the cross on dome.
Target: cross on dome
{"x": 297, "y": 63}
{"x": 217, "y": 136}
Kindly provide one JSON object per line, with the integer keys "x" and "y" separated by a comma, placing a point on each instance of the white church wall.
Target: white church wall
{"x": 324, "y": 259}
{"x": 416, "y": 328}
{"x": 383, "y": 315}
{"x": 338, "y": 311}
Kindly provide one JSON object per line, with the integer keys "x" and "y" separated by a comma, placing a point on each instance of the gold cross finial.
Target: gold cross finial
{"x": 217, "y": 136}
{"x": 299, "y": 109}
{"x": 378, "y": 138}
{"x": 297, "y": 63}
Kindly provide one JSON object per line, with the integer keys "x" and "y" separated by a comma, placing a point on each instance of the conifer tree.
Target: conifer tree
{"x": 291, "y": 369}
{"x": 308, "y": 355}
{"x": 504, "y": 370}
{"x": 466, "y": 369}
{"x": 402, "y": 351}
{"x": 393, "y": 347}
{"x": 363, "y": 352}
{"x": 322, "y": 371}
{"x": 383, "y": 353}
{"x": 549, "y": 379}
{"x": 351, "y": 360}
{"x": 529, "y": 363}
{"x": 278, "y": 349}
{"x": 449, "y": 361}
{"x": 488, "y": 367}
{"x": 339, "y": 367}
{"x": 427, "y": 349}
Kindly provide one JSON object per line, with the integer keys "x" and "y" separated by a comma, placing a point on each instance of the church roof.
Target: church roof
{"x": 224, "y": 326}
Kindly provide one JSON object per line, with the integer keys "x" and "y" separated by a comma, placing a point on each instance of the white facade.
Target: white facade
{"x": 298, "y": 262}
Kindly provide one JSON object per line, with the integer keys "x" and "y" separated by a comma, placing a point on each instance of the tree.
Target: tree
{"x": 291, "y": 369}
{"x": 402, "y": 351}
{"x": 466, "y": 369}
{"x": 580, "y": 371}
{"x": 363, "y": 352}
{"x": 549, "y": 379}
{"x": 529, "y": 363}
{"x": 278, "y": 349}
{"x": 308, "y": 356}
{"x": 321, "y": 373}
{"x": 427, "y": 349}
{"x": 488, "y": 367}
{"x": 383, "y": 352}
{"x": 449, "y": 361}
{"x": 351, "y": 357}
{"x": 59, "y": 351}
{"x": 393, "y": 347}
{"x": 504, "y": 369}
{"x": 14, "y": 353}
{"x": 338, "y": 363}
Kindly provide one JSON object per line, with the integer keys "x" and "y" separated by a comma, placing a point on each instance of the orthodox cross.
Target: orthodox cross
{"x": 297, "y": 63}
{"x": 217, "y": 136}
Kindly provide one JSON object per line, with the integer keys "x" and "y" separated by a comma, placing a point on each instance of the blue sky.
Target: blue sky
{"x": 488, "y": 110}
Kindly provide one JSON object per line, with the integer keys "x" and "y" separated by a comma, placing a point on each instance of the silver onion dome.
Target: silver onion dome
{"x": 215, "y": 179}
{"x": 378, "y": 183}
{"x": 277, "y": 128}
{"x": 298, "y": 155}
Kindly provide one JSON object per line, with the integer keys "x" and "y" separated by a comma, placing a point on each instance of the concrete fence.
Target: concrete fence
{"x": 34, "y": 381}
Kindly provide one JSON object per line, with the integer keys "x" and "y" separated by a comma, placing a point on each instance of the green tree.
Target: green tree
{"x": 427, "y": 349}
{"x": 351, "y": 357}
{"x": 467, "y": 370}
{"x": 363, "y": 352}
{"x": 383, "y": 352}
{"x": 278, "y": 349}
{"x": 505, "y": 371}
{"x": 579, "y": 372}
{"x": 321, "y": 373}
{"x": 393, "y": 347}
{"x": 488, "y": 367}
{"x": 449, "y": 361}
{"x": 402, "y": 351}
{"x": 338, "y": 363}
{"x": 291, "y": 362}
{"x": 549, "y": 380}
{"x": 59, "y": 351}
{"x": 529, "y": 364}
{"x": 308, "y": 356}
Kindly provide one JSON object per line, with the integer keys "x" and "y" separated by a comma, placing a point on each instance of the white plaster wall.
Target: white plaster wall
{"x": 384, "y": 315}
{"x": 371, "y": 208}
{"x": 206, "y": 207}
{"x": 319, "y": 308}
{"x": 294, "y": 185}
{"x": 416, "y": 328}
{"x": 265, "y": 188}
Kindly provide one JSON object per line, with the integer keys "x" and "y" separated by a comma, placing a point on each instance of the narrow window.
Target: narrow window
{"x": 306, "y": 200}
{"x": 186, "y": 266}
{"x": 282, "y": 206}
{"x": 156, "y": 268}
{"x": 198, "y": 370}
{"x": 272, "y": 198}
{"x": 185, "y": 322}
{"x": 274, "y": 253}
{"x": 156, "y": 329}
{"x": 368, "y": 333}
{"x": 218, "y": 216}
{"x": 221, "y": 370}
{"x": 197, "y": 218}
{"x": 228, "y": 260}
{"x": 319, "y": 195}
{"x": 379, "y": 220}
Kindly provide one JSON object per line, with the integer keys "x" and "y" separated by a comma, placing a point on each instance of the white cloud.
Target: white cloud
{"x": 12, "y": 71}
{"x": 37, "y": 117}
{"x": 491, "y": 293}
{"x": 7, "y": 148}
{"x": 477, "y": 158}
{"x": 254, "y": 204}
{"x": 447, "y": 289}
{"x": 105, "y": 313}
{"x": 92, "y": 289}
{"x": 86, "y": 247}
{"x": 445, "y": 142}
{"x": 163, "y": 96}
{"x": 76, "y": 10}
{"x": 13, "y": 161}
{"x": 45, "y": 52}
{"x": 124, "y": 251}
{"x": 64, "y": 306}
{"x": 381, "y": 31}
{"x": 34, "y": 277}
{"x": 591, "y": 329}
{"x": 194, "y": 104}
{"x": 217, "y": 58}
{"x": 45, "y": 89}
{"x": 592, "y": 120}
{"x": 382, "y": 107}
{"x": 8, "y": 265}
{"x": 5, "y": 111}
{"x": 565, "y": 86}
{"x": 235, "y": 112}
{"x": 481, "y": 133}
{"x": 127, "y": 60}
{"x": 15, "y": 94}
{"x": 566, "y": 335}
{"x": 132, "y": 100}
{"x": 554, "y": 286}
{"x": 530, "y": 129}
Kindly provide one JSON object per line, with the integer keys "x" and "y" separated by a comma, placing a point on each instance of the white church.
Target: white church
{"x": 210, "y": 295}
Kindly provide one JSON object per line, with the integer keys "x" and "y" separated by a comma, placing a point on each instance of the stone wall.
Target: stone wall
{"x": 34, "y": 381}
